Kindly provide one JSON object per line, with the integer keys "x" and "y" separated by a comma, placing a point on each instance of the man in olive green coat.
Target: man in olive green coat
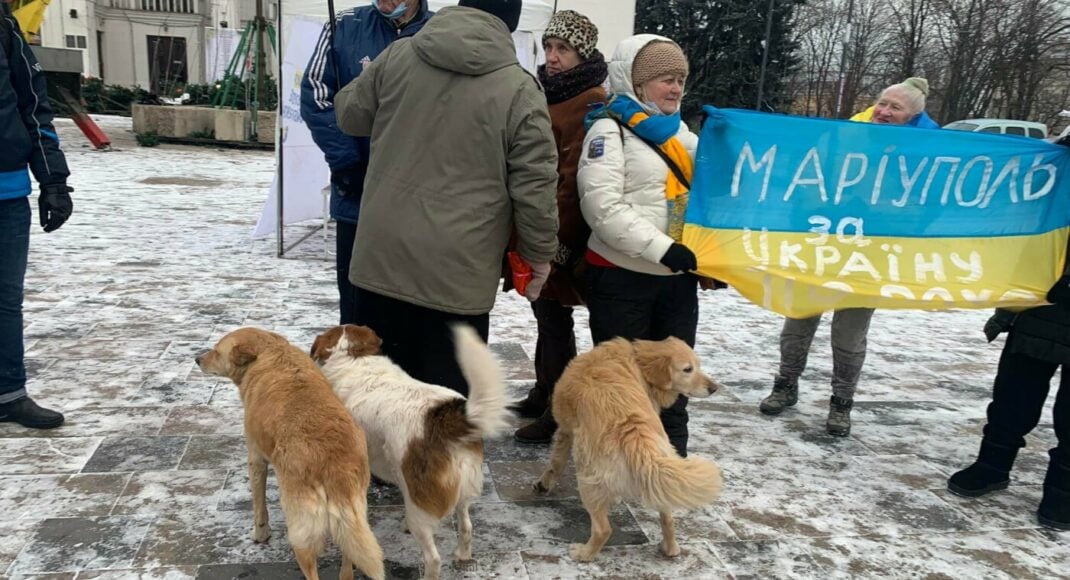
{"x": 463, "y": 153}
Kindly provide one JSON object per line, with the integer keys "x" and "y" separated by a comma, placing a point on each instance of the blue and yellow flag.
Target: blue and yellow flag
{"x": 805, "y": 215}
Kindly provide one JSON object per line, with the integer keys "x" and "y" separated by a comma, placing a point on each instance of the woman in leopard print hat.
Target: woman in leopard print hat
{"x": 572, "y": 79}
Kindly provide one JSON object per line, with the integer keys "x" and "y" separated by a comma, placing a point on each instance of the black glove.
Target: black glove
{"x": 55, "y": 205}
{"x": 349, "y": 180}
{"x": 1065, "y": 141}
{"x": 1060, "y": 292}
{"x": 679, "y": 259}
{"x": 1000, "y": 322}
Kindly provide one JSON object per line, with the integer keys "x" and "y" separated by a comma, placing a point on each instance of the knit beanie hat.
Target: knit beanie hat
{"x": 915, "y": 89}
{"x": 507, "y": 10}
{"x": 575, "y": 29}
{"x": 657, "y": 58}
{"x": 918, "y": 83}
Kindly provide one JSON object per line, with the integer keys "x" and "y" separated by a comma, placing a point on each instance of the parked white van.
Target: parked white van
{"x": 1002, "y": 126}
{"x": 1065, "y": 133}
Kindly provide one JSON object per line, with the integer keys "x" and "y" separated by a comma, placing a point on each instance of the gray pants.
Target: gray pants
{"x": 849, "y": 330}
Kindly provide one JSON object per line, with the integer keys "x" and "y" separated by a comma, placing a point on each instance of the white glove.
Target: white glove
{"x": 539, "y": 274}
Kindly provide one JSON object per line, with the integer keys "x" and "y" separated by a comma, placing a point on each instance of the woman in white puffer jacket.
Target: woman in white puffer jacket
{"x": 633, "y": 180}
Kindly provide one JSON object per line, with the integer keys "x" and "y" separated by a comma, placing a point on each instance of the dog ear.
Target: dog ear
{"x": 654, "y": 362}
{"x": 321, "y": 347}
{"x": 242, "y": 354}
{"x": 363, "y": 341}
{"x": 318, "y": 352}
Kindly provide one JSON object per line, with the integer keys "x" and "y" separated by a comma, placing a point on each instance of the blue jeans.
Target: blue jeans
{"x": 14, "y": 249}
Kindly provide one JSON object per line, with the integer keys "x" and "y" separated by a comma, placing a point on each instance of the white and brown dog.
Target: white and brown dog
{"x": 426, "y": 439}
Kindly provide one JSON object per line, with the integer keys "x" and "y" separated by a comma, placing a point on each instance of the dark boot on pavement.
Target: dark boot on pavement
{"x": 785, "y": 394}
{"x": 532, "y": 406}
{"x": 839, "y": 421}
{"x": 27, "y": 413}
{"x": 991, "y": 471}
{"x": 539, "y": 432}
{"x": 1054, "y": 511}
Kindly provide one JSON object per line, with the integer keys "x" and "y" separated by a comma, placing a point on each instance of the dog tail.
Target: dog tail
{"x": 487, "y": 408}
{"x": 349, "y": 527}
{"x": 666, "y": 480}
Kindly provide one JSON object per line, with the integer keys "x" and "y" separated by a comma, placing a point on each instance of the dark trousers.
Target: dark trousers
{"x": 14, "y": 250}
{"x": 850, "y": 328}
{"x": 556, "y": 345}
{"x": 418, "y": 339}
{"x": 643, "y": 306}
{"x": 1018, "y": 395}
{"x": 347, "y": 292}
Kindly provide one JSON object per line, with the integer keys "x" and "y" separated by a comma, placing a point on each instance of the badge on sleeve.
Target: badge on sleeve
{"x": 596, "y": 148}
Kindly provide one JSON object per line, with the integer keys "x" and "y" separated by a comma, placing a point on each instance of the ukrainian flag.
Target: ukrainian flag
{"x": 805, "y": 215}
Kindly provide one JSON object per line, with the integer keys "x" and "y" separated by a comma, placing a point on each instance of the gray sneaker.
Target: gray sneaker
{"x": 784, "y": 395}
{"x": 839, "y": 421}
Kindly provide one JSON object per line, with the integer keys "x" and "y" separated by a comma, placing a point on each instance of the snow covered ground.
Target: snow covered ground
{"x": 147, "y": 478}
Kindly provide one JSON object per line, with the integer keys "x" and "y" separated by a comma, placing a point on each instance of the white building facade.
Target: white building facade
{"x": 159, "y": 45}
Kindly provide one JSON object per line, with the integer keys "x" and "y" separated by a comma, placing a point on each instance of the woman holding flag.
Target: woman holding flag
{"x": 634, "y": 177}
{"x": 900, "y": 104}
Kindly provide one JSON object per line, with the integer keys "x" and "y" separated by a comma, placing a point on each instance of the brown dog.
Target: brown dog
{"x": 607, "y": 406}
{"x": 295, "y": 422}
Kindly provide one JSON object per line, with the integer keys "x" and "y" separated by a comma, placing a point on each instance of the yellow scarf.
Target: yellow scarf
{"x": 675, "y": 190}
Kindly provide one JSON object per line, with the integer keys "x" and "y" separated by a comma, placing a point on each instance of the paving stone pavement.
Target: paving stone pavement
{"x": 147, "y": 478}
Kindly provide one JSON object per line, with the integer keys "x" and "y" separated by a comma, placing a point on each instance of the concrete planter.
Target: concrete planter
{"x": 231, "y": 125}
{"x": 184, "y": 121}
{"x": 265, "y": 131}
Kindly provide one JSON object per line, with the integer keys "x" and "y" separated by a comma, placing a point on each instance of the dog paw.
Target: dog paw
{"x": 541, "y": 487}
{"x": 670, "y": 550}
{"x": 580, "y": 553}
{"x": 261, "y": 534}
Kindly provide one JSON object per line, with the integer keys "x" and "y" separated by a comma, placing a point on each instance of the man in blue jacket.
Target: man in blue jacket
{"x": 29, "y": 143}
{"x": 360, "y": 35}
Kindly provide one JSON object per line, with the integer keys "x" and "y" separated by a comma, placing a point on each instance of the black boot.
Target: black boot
{"x": 532, "y": 406}
{"x": 1054, "y": 511}
{"x": 539, "y": 432}
{"x": 785, "y": 394}
{"x": 991, "y": 471}
{"x": 27, "y": 413}
{"x": 839, "y": 420}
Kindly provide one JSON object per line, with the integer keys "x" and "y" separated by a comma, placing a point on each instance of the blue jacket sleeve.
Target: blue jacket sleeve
{"x": 46, "y": 159}
{"x": 318, "y": 88}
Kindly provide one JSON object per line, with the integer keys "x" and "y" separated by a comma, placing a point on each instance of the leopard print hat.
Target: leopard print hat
{"x": 575, "y": 29}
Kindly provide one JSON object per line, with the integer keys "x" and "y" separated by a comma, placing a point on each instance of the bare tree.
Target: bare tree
{"x": 1035, "y": 42}
{"x": 819, "y": 31}
{"x": 1008, "y": 58}
{"x": 911, "y": 17}
{"x": 870, "y": 50}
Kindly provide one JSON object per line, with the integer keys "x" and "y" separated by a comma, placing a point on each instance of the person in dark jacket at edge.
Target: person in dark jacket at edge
{"x": 29, "y": 144}
{"x": 1038, "y": 344}
{"x": 360, "y": 35}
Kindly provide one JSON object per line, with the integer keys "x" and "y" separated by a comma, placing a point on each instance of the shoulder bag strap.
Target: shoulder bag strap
{"x": 668, "y": 160}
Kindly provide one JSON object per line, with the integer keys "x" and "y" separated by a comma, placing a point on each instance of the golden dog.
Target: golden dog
{"x": 295, "y": 422}
{"x": 607, "y": 406}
